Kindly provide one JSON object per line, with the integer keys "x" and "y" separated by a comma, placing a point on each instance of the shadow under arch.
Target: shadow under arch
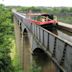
{"x": 25, "y": 37}
{"x": 41, "y": 57}
{"x": 25, "y": 31}
{"x": 18, "y": 22}
{"x": 20, "y": 27}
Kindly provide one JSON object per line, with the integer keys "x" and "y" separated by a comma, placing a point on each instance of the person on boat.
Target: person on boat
{"x": 46, "y": 18}
{"x": 42, "y": 19}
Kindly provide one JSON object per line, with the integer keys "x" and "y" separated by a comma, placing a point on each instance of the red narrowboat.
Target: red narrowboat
{"x": 47, "y": 21}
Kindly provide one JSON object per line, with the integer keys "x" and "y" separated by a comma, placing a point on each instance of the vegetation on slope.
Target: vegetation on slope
{"x": 8, "y": 57}
{"x": 6, "y": 33}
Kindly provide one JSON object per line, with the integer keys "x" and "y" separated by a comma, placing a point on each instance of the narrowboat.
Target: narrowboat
{"x": 47, "y": 21}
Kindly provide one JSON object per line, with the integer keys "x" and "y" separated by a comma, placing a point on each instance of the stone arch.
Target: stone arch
{"x": 20, "y": 27}
{"x": 38, "y": 50}
{"x": 18, "y": 22}
{"x": 43, "y": 60}
{"x": 25, "y": 32}
{"x": 40, "y": 56}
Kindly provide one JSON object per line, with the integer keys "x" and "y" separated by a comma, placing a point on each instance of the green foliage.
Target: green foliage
{"x": 6, "y": 32}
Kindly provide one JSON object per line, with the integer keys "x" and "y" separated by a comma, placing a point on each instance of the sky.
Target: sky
{"x": 46, "y": 3}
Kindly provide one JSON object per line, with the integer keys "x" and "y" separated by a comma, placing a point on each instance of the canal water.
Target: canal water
{"x": 38, "y": 60}
{"x": 66, "y": 35}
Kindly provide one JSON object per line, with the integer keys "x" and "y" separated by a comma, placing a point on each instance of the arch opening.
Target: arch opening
{"x": 40, "y": 56}
{"x": 20, "y": 27}
{"x": 18, "y": 22}
{"x": 25, "y": 32}
{"x": 43, "y": 61}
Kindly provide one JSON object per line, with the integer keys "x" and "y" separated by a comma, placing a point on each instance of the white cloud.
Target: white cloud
{"x": 52, "y": 3}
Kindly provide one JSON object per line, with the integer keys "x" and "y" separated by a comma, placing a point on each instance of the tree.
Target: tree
{"x": 5, "y": 44}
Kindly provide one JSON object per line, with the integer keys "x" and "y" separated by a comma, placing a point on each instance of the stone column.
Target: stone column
{"x": 26, "y": 52}
{"x": 18, "y": 39}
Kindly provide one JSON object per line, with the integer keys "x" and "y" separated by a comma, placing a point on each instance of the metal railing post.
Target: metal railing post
{"x": 43, "y": 37}
{"x": 36, "y": 30}
{"x": 39, "y": 35}
{"x": 64, "y": 53}
{"x": 54, "y": 50}
{"x": 48, "y": 42}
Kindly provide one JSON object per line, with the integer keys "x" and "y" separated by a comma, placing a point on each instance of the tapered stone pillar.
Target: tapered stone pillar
{"x": 27, "y": 52}
{"x": 18, "y": 39}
